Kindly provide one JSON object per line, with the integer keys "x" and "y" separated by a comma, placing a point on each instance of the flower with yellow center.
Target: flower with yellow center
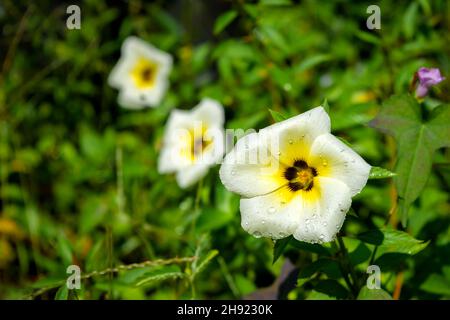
{"x": 295, "y": 178}
{"x": 193, "y": 142}
{"x": 141, "y": 74}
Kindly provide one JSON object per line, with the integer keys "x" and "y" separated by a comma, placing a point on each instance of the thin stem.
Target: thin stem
{"x": 108, "y": 271}
{"x": 346, "y": 267}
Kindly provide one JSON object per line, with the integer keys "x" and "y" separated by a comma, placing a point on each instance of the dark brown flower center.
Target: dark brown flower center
{"x": 300, "y": 176}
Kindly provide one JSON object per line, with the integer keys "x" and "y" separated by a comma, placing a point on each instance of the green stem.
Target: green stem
{"x": 346, "y": 267}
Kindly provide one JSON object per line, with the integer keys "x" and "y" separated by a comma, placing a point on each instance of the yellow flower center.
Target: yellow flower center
{"x": 195, "y": 144}
{"x": 144, "y": 73}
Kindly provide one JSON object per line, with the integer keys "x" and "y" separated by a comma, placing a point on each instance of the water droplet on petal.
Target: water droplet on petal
{"x": 233, "y": 172}
{"x": 324, "y": 163}
{"x": 263, "y": 221}
{"x": 324, "y": 223}
{"x": 257, "y": 234}
{"x": 307, "y": 221}
{"x": 291, "y": 141}
{"x": 271, "y": 210}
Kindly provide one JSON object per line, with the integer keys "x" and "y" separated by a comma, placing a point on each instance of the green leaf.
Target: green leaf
{"x": 224, "y": 20}
{"x": 325, "y": 105}
{"x": 276, "y": 2}
{"x": 409, "y": 20}
{"x": 211, "y": 255}
{"x": 62, "y": 293}
{"x": 279, "y": 247}
{"x": 311, "y": 62}
{"x": 373, "y": 294}
{"x": 380, "y": 173}
{"x": 277, "y": 116}
{"x": 315, "y": 248}
{"x": 160, "y": 274}
{"x": 417, "y": 140}
{"x": 436, "y": 284}
{"x": 390, "y": 240}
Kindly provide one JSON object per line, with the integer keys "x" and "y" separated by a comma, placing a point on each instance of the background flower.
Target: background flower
{"x": 428, "y": 77}
{"x": 193, "y": 142}
{"x": 141, "y": 74}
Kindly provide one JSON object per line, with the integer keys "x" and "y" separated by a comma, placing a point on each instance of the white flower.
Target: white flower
{"x": 141, "y": 74}
{"x": 193, "y": 142}
{"x": 301, "y": 183}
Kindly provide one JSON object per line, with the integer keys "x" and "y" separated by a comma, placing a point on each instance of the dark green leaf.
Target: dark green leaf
{"x": 279, "y": 247}
{"x": 224, "y": 20}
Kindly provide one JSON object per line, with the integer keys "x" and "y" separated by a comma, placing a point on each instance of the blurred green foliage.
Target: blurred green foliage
{"x": 78, "y": 174}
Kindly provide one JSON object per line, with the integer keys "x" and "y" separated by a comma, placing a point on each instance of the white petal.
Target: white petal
{"x": 249, "y": 169}
{"x": 133, "y": 47}
{"x": 268, "y": 216}
{"x": 322, "y": 218}
{"x": 292, "y": 138}
{"x": 190, "y": 175}
{"x": 210, "y": 111}
{"x": 332, "y": 158}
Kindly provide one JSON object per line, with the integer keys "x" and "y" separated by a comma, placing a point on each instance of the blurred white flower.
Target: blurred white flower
{"x": 141, "y": 74}
{"x": 301, "y": 183}
{"x": 193, "y": 142}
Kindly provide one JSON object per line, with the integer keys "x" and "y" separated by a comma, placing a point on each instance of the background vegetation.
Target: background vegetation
{"x": 78, "y": 174}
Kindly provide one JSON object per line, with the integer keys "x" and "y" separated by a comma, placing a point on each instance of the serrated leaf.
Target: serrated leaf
{"x": 394, "y": 241}
{"x": 380, "y": 173}
{"x": 417, "y": 140}
{"x": 224, "y": 20}
{"x": 279, "y": 247}
{"x": 373, "y": 294}
{"x": 277, "y": 116}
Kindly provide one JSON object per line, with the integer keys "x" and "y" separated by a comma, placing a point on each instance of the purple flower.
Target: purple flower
{"x": 428, "y": 77}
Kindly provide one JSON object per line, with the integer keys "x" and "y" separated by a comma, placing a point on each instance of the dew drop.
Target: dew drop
{"x": 263, "y": 221}
{"x": 233, "y": 173}
{"x": 257, "y": 234}
{"x": 321, "y": 237}
{"x": 287, "y": 87}
{"x": 271, "y": 210}
{"x": 324, "y": 163}
{"x": 324, "y": 223}
{"x": 291, "y": 141}
{"x": 307, "y": 221}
